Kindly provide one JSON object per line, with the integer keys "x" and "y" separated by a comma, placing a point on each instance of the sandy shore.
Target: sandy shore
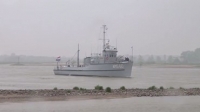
{"x": 67, "y": 94}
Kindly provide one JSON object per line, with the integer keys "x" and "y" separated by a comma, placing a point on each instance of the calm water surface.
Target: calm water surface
{"x": 42, "y": 77}
{"x": 142, "y": 104}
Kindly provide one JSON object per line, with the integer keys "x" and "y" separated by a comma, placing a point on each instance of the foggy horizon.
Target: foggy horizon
{"x": 54, "y": 28}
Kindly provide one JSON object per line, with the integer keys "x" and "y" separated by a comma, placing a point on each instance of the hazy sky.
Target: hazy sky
{"x": 55, "y": 27}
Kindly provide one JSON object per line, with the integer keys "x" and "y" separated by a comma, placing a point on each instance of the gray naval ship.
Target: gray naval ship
{"x": 107, "y": 64}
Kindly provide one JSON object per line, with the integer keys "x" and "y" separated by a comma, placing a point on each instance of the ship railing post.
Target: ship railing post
{"x": 132, "y": 53}
{"x": 78, "y": 57}
{"x": 57, "y": 65}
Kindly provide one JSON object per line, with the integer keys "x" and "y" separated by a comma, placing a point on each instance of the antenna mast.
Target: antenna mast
{"x": 116, "y": 43}
{"x": 104, "y": 36}
{"x": 78, "y": 57}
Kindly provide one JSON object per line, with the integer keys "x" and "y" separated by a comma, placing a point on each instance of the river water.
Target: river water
{"x": 42, "y": 77}
{"x": 135, "y": 104}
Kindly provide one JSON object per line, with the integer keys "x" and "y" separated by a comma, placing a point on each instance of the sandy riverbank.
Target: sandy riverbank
{"x": 67, "y": 94}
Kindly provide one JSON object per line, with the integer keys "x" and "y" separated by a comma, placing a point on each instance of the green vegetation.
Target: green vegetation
{"x": 181, "y": 88}
{"x": 161, "y": 87}
{"x": 191, "y": 57}
{"x": 108, "y": 89}
{"x": 76, "y": 88}
{"x": 171, "y": 88}
{"x": 152, "y": 88}
{"x": 186, "y": 57}
{"x": 82, "y": 89}
{"x": 55, "y": 88}
{"x": 98, "y": 87}
{"x": 68, "y": 91}
{"x": 122, "y": 88}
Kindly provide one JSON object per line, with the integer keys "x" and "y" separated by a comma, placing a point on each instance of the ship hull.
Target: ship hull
{"x": 101, "y": 70}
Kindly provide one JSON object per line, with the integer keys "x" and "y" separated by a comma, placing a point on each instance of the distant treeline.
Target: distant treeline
{"x": 186, "y": 57}
{"x": 151, "y": 59}
{"x": 191, "y": 56}
{"x": 28, "y": 59}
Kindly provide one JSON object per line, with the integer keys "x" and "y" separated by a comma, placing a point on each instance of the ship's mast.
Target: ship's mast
{"x": 104, "y": 36}
{"x": 78, "y": 56}
{"x": 104, "y": 39}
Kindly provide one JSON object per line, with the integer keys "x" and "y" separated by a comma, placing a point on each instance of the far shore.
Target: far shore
{"x": 85, "y": 94}
{"x": 169, "y": 66}
{"x": 135, "y": 65}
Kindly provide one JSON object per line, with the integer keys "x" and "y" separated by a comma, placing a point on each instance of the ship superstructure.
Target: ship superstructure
{"x": 106, "y": 63}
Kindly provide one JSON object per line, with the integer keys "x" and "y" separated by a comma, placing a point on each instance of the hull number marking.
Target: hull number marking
{"x": 118, "y": 66}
